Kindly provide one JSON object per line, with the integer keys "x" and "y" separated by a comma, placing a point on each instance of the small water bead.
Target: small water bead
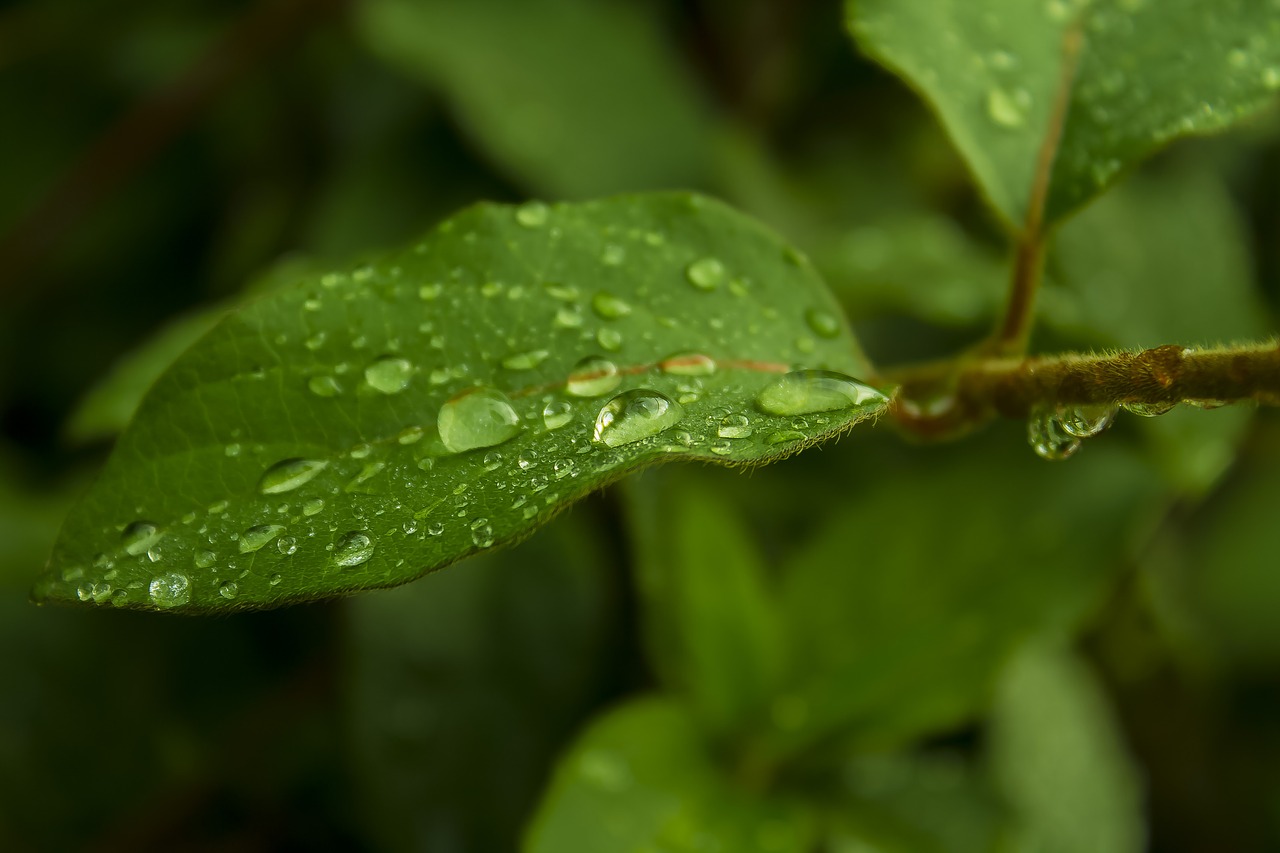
{"x": 361, "y": 451}
{"x": 785, "y": 436}
{"x": 312, "y": 506}
{"x": 556, "y": 414}
{"x": 232, "y": 450}
{"x": 824, "y": 323}
{"x": 804, "y": 392}
{"x": 593, "y": 377}
{"x": 389, "y": 374}
{"x": 287, "y": 546}
{"x": 410, "y": 435}
{"x": 610, "y": 340}
{"x": 255, "y": 537}
{"x": 705, "y": 273}
{"x": 568, "y": 318}
{"x": 635, "y": 415}
{"x": 171, "y": 590}
{"x": 492, "y": 461}
{"x": 274, "y": 580}
{"x": 481, "y": 533}
{"x": 367, "y": 473}
{"x": 316, "y": 341}
{"x": 527, "y": 459}
{"x": 533, "y": 214}
{"x": 525, "y": 360}
{"x": 614, "y": 255}
{"x": 288, "y": 474}
{"x": 609, "y": 307}
{"x": 483, "y": 417}
{"x": 430, "y": 292}
{"x": 1086, "y": 421}
{"x": 1047, "y": 437}
{"x": 1008, "y": 110}
{"x": 722, "y": 447}
{"x": 228, "y": 589}
{"x": 1148, "y": 410}
{"x": 352, "y": 549}
{"x": 435, "y": 528}
{"x": 204, "y": 559}
{"x": 734, "y": 426}
{"x": 324, "y": 386}
{"x": 688, "y": 364}
{"x": 139, "y": 537}
{"x": 564, "y": 468}
{"x": 538, "y": 482}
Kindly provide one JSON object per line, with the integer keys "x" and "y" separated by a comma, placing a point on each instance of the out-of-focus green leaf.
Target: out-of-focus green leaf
{"x": 712, "y": 626}
{"x": 1057, "y": 755}
{"x": 464, "y": 685}
{"x": 1148, "y": 72}
{"x": 363, "y": 428}
{"x": 641, "y": 779}
{"x": 572, "y": 97}
{"x": 911, "y": 595}
{"x": 1162, "y": 260}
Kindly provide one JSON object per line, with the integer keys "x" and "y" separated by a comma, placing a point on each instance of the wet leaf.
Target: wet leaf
{"x": 1148, "y": 72}
{"x": 641, "y": 778}
{"x": 365, "y": 427}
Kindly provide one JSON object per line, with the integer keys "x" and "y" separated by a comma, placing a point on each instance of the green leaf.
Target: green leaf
{"x": 363, "y": 428}
{"x": 1148, "y": 72}
{"x": 571, "y": 97}
{"x": 711, "y": 625}
{"x": 1056, "y": 752}
{"x": 641, "y": 778}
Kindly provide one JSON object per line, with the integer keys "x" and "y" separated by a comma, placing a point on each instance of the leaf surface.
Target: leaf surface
{"x": 1148, "y": 72}
{"x": 362, "y": 428}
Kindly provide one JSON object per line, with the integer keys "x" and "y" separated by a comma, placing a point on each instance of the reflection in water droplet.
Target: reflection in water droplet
{"x": 824, "y": 323}
{"x": 635, "y": 415}
{"x": 483, "y": 417}
{"x": 1148, "y": 410}
{"x": 1047, "y": 437}
{"x": 171, "y": 590}
{"x": 287, "y": 545}
{"x": 410, "y": 435}
{"x": 481, "y": 533}
{"x": 804, "y": 392}
{"x": 532, "y": 214}
{"x": 312, "y": 506}
{"x": 435, "y": 528}
{"x": 324, "y": 386}
{"x": 564, "y": 468}
{"x": 204, "y": 559}
{"x": 609, "y": 306}
{"x": 1086, "y": 421}
{"x": 688, "y": 364}
{"x": 255, "y": 537}
{"x": 228, "y": 589}
{"x": 610, "y": 340}
{"x": 389, "y": 374}
{"x": 734, "y": 426}
{"x": 592, "y": 377}
{"x": 705, "y": 273}
{"x": 352, "y": 549}
{"x": 492, "y": 460}
{"x": 288, "y": 474}
{"x": 429, "y": 292}
{"x": 525, "y": 360}
{"x": 139, "y": 537}
{"x": 556, "y": 414}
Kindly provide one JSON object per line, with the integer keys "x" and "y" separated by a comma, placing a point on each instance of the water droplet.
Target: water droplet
{"x": 287, "y": 545}
{"x": 635, "y": 415}
{"x": 315, "y": 341}
{"x": 722, "y": 447}
{"x": 568, "y": 318}
{"x": 435, "y": 528}
{"x": 367, "y": 473}
{"x": 614, "y": 255}
{"x": 255, "y": 537}
{"x": 804, "y": 392}
{"x": 1206, "y": 404}
{"x": 525, "y": 360}
{"x": 1005, "y": 109}
{"x": 481, "y": 418}
{"x": 389, "y": 374}
{"x": 481, "y": 533}
{"x": 705, "y": 273}
{"x": 492, "y": 460}
{"x": 232, "y": 450}
{"x": 688, "y": 364}
{"x": 609, "y": 306}
{"x": 228, "y": 589}
{"x": 1047, "y": 437}
{"x": 824, "y": 323}
{"x": 556, "y": 414}
{"x": 352, "y": 549}
{"x": 139, "y": 537}
{"x": 204, "y": 559}
{"x": 410, "y": 435}
{"x": 1148, "y": 410}
{"x": 288, "y": 474}
{"x": 734, "y": 426}
{"x": 593, "y": 377}
{"x": 429, "y": 292}
{"x": 785, "y": 436}
{"x": 532, "y": 214}
{"x": 564, "y": 468}
{"x": 361, "y": 451}
{"x": 171, "y": 590}
{"x": 1086, "y": 421}
{"x": 312, "y": 506}
{"x": 324, "y": 386}
{"x": 610, "y": 340}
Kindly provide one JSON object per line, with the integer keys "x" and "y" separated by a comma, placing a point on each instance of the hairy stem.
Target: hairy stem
{"x": 944, "y": 399}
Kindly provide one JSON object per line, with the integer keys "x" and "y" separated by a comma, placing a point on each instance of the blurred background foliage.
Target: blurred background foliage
{"x": 871, "y": 647}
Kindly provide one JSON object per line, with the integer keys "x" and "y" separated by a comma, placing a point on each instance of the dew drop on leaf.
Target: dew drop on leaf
{"x": 255, "y": 537}
{"x": 287, "y": 545}
{"x": 324, "y": 386}
{"x": 609, "y": 306}
{"x": 610, "y": 340}
{"x": 824, "y": 323}
{"x": 352, "y": 549}
{"x": 171, "y": 590}
{"x": 688, "y": 364}
{"x": 705, "y": 273}
{"x": 635, "y": 415}
{"x": 483, "y": 417}
{"x": 389, "y": 374}
{"x": 734, "y": 426}
{"x": 139, "y": 537}
{"x": 288, "y": 474}
{"x": 204, "y": 559}
{"x": 525, "y": 360}
{"x": 532, "y": 214}
{"x": 312, "y": 506}
{"x": 556, "y": 414}
{"x": 1047, "y": 437}
{"x": 1005, "y": 109}
{"x": 228, "y": 589}
{"x": 435, "y": 528}
{"x": 804, "y": 392}
{"x": 593, "y": 377}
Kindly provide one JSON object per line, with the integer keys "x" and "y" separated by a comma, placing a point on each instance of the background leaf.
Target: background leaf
{"x": 359, "y": 430}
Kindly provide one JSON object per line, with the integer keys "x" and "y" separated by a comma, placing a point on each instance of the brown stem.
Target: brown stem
{"x": 945, "y": 399}
{"x": 1015, "y": 327}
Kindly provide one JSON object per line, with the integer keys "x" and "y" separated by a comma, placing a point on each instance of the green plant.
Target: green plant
{"x": 345, "y": 428}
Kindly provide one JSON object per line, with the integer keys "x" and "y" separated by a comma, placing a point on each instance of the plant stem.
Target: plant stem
{"x": 945, "y": 399}
{"x": 1014, "y": 330}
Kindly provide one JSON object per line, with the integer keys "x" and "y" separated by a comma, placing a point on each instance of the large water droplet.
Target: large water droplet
{"x": 389, "y": 374}
{"x": 593, "y": 377}
{"x": 481, "y": 418}
{"x": 705, "y": 273}
{"x": 255, "y": 537}
{"x": 171, "y": 590}
{"x": 1047, "y": 437}
{"x": 688, "y": 364}
{"x": 352, "y": 549}
{"x": 804, "y": 392}
{"x": 140, "y": 536}
{"x": 609, "y": 306}
{"x": 1086, "y": 421}
{"x": 288, "y": 474}
{"x": 635, "y": 415}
